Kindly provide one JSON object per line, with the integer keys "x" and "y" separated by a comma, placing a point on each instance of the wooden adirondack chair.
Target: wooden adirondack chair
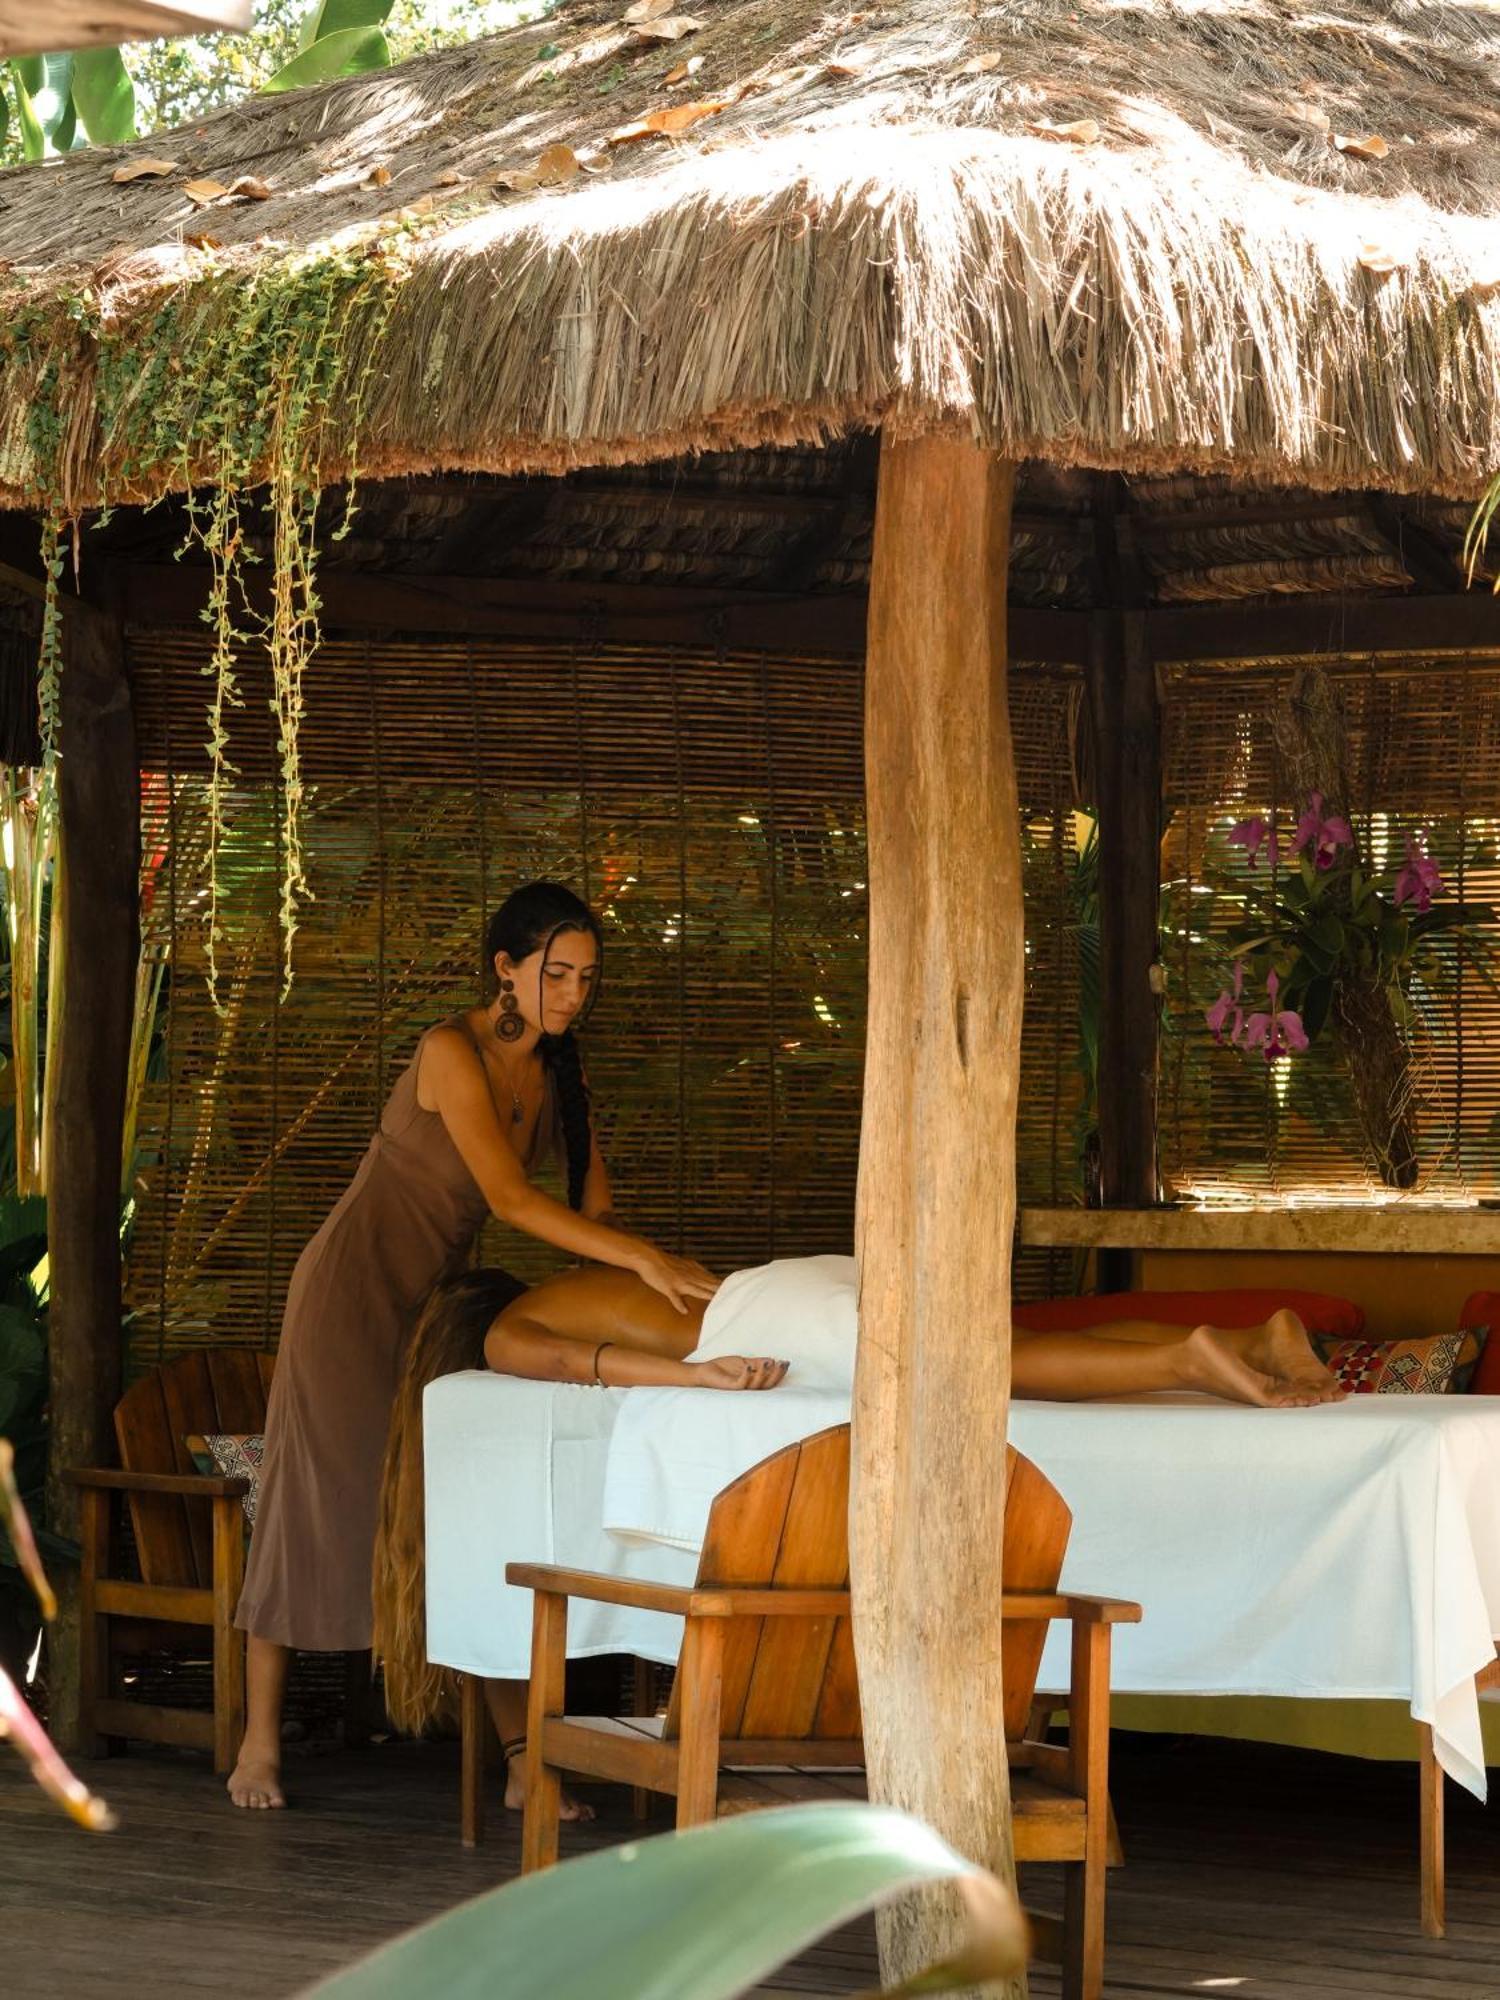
{"x": 765, "y": 1708}
{"x": 189, "y": 1531}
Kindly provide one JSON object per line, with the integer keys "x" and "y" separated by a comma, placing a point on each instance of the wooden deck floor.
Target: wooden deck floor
{"x": 1253, "y": 1873}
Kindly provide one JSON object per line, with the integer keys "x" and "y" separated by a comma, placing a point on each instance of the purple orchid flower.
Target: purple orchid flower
{"x": 1227, "y": 1008}
{"x": 1323, "y": 833}
{"x": 1277, "y": 1032}
{"x": 1419, "y": 881}
{"x": 1253, "y": 835}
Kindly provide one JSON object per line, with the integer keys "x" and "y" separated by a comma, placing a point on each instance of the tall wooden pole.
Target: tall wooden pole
{"x": 937, "y": 1183}
{"x": 1125, "y": 719}
{"x": 98, "y": 879}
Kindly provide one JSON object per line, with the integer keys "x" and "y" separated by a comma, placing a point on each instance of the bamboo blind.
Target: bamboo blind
{"x": 1424, "y": 743}
{"x": 709, "y": 805}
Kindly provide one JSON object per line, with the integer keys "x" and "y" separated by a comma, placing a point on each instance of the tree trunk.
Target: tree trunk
{"x": 97, "y": 880}
{"x": 937, "y": 1164}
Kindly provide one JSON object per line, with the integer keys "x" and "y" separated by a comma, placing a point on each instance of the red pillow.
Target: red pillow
{"x": 1483, "y": 1309}
{"x": 1320, "y": 1312}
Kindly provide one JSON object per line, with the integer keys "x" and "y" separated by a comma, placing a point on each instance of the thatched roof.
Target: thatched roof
{"x": 1121, "y": 236}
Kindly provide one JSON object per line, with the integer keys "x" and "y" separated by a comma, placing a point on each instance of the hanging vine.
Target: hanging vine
{"x": 248, "y": 379}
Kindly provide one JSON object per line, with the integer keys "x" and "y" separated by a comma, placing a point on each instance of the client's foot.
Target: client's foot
{"x": 1284, "y": 1351}
{"x": 1211, "y": 1365}
{"x": 515, "y": 1792}
{"x": 255, "y": 1782}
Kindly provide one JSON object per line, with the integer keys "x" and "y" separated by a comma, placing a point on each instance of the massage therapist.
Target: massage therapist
{"x": 489, "y": 1094}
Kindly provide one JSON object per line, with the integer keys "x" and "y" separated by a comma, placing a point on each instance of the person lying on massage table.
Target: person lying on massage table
{"x": 605, "y": 1326}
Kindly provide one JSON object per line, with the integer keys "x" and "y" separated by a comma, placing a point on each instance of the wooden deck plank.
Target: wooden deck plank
{"x": 1253, "y": 1873}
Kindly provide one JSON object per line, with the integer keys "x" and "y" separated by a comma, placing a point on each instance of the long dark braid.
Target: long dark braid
{"x": 529, "y": 920}
{"x": 560, "y": 1054}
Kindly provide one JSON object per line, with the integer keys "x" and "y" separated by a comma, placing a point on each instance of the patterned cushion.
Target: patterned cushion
{"x": 1439, "y": 1365}
{"x": 234, "y": 1457}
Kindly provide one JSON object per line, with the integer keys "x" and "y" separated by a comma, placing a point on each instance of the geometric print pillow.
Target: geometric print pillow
{"x": 1439, "y": 1364}
{"x": 234, "y": 1457}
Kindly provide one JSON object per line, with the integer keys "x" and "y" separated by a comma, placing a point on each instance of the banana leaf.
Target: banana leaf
{"x": 702, "y": 1915}
{"x": 346, "y": 53}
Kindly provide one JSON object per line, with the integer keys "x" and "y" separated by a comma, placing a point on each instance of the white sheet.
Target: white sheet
{"x": 1347, "y": 1551}
{"x": 515, "y": 1473}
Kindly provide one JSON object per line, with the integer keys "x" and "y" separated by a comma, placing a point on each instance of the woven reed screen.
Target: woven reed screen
{"x": 1424, "y": 750}
{"x": 710, "y": 806}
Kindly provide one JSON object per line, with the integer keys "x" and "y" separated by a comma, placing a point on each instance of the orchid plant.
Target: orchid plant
{"x": 1335, "y": 945}
{"x": 1326, "y": 920}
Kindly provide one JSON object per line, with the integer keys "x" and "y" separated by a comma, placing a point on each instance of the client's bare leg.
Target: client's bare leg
{"x": 255, "y": 1780}
{"x": 1272, "y": 1366}
{"x": 506, "y": 1701}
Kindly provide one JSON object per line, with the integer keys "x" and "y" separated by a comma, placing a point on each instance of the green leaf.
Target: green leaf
{"x": 104, "y": 96}
{"x": 1328, "y": 934}
{"x": 33, "y": 138}
{"x": 23, "y": 1366}
{"x": 23, "y": 1235}
{"x": 344, "y": 54}
{"x": 331, "y": 17}
{"x": 707, "y": 1913}
{"x": 1316, "y": 1001}
{"x": 65, "y": 131}
{"x": 47, "y": 82}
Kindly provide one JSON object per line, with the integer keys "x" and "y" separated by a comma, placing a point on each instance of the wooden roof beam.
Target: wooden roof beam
{"x": 1255, "y": 628}
{"x": 1430, "y": 565}
{"x": 630, "y": 614}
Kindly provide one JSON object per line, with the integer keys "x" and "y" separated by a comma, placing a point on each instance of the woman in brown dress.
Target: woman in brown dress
{"x": 487, "y": 1095}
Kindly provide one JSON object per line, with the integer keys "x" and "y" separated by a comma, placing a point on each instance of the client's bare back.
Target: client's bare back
{"x": 610, "y": 1327}
{"x": 600, "y": 1303}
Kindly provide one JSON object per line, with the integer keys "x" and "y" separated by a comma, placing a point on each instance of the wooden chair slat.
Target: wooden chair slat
{"x": 144, "y": 1432}
{"x": 1038, "y": 1522}
{"x": 838, "y": 1706}
{"x": 744, "y": 1533}
{"x": 791, "y": 1659}
{"x": 188, "y": 1398}
{"x": 238, "y": 1390}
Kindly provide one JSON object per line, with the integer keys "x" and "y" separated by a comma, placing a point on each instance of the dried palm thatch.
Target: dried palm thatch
{"x": 1152, "y": 236}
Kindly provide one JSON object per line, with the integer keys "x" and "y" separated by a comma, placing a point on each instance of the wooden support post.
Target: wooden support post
{"x": 474, "y": 1732}
{"x": 937, "y": 1164}
{"x": 1125, "y": 723}
{"x": 229, "y": 1644}
{"x": 549, "y": 1677}
{"x": 96, "y": 929}
{"x": 701, "y": 1672}
{"x": 1434, "y": 1870}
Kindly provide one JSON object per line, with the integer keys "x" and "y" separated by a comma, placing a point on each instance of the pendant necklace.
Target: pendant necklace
{"x": 517, "y": 1109}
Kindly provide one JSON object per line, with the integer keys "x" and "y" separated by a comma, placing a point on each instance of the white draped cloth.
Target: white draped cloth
{"x": 1350, "y": 1550}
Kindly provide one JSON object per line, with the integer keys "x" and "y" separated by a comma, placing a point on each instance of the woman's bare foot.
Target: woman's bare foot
{"x": 515, "y": 1792}
{"x": 1284, "y": 1351}
{"x": 1210, "y": 1364}
{"x": 255, "y": 1783}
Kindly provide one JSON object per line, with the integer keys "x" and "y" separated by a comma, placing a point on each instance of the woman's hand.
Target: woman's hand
{"x": 676, "y": 1278}
{"x": 738, "y": 1371}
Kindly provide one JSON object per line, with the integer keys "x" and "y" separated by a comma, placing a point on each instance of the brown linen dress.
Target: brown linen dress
{"x": 407, "y": 1219}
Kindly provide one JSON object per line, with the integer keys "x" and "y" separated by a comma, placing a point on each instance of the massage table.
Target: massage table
{"x": 1351, "y": 1550}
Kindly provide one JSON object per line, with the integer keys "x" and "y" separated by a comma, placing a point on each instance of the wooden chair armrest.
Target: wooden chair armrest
{"x": 1085, "y": 1610}
{"x": 683, "y": 1601}
{"x": 635, "y": 1595}
{"x": 1082, "y": 1610}
{"x": 205, "y": 1485}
